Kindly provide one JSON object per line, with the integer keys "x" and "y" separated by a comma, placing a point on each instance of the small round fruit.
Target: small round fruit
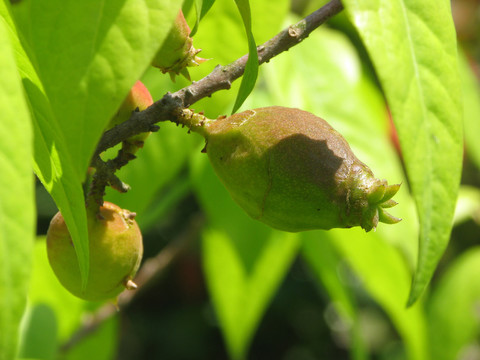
{"x": 291, "y": 170}
{"x": 116, "y": 249}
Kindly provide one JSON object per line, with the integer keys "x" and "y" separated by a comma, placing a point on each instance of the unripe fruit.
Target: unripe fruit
{"x": 116, "y": 249}
{"x": 291, "y": 170}
{"x": 138, "y": 99}
{"x": 177, "y": 51}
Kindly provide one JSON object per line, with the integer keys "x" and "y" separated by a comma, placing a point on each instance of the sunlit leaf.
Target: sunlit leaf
{"x": 52, "y": 161}
{"x": 17, "y": 214}
{"x": 453, "y": 308}
{"x": 413, "y": 47}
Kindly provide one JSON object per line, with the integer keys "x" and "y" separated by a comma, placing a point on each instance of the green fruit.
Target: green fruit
{"x": 116, "y": 249}
{"x": 177, "y": 51}
{"x": 138, "y": 99}
{"x": 291, "y": 170}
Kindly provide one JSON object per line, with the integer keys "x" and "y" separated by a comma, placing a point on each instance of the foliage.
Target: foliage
{"x": 66, "y": 67}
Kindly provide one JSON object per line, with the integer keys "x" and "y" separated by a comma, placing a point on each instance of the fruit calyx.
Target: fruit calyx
{"x": 291, "y": 170}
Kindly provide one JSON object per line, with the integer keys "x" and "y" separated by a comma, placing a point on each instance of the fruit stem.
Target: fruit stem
{"x": 195, "y": 122}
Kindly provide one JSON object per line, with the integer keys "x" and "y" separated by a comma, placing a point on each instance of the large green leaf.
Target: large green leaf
{"x": 244, "y": 260}
{"x": 453, "y": 308}
{"x": 88, "y": 54}
{"x": 52, "y": 164}
{"x": 412, "y": 45}
{"x": 17, "y": 215}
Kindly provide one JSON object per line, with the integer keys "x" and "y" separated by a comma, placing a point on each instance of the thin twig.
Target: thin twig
{"x": 220, "y": 78}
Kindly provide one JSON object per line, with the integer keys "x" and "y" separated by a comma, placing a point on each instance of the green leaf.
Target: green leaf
{"x": 241, "y": 291}
{"x": 201, "y": 9}
{"x": 468, "y": 204}
{"x": 17, "y": 215}
{"x": 40, "y": 334}
{"x": 251, "y": 68}
{"x": 52, "y": 162}
{"x": 453, "y": 308}
{"x": 78, "y": 88}
{"x": 325, "y": 261}
{"x": 386, "y": 276}
{"x": 244, "y": 261}
{"x": 46, "y": 289}
{"x": 103, "y": 342}
{"x": 471, "y": 109}
{"x": 412, "y": 45}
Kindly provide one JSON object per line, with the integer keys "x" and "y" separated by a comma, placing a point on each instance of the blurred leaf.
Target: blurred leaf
{"x": 386, "y": 276}
{"x": 454, "y": 308}
{"x": 471, "y": 108}
{"x": 251, "y": 68}
{"x": 103, "y": 342}
{"x": 240, "y": 294}
{"x": 412, "y": 45}
{"x": 46, "y": 289}
{"x": 323, "y": 258}
{"x": 40, "y": 336}
{"x": 468, "y": 205}
{"x": 17, "y": 214}
{"x": 244, "y": 260}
